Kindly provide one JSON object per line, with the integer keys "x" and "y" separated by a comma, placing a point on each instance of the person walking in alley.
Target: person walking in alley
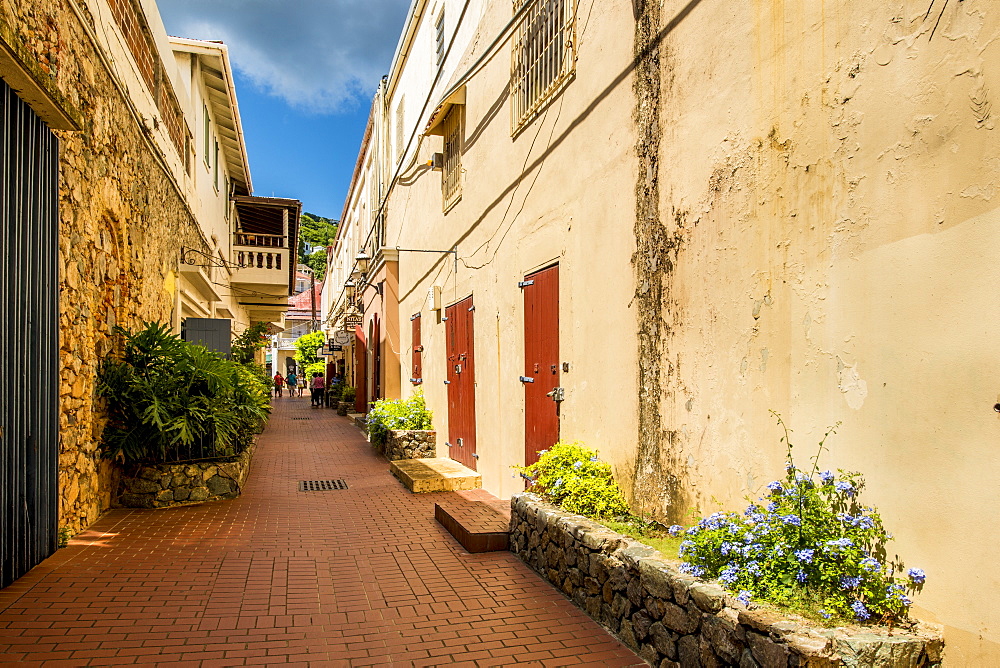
{"x": 293, "y": 383}
{"x": 279, "y": 382}
{"x": 317, "y": 387}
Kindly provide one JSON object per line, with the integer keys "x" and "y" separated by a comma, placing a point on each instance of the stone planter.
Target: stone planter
{"x": 344, "y": 406}
{"x": 672, "y": 619}
{"x": 165, "y": 485}
{"x": 411, "y": 444}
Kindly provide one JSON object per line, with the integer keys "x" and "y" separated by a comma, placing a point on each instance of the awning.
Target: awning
{"x": 435, "y": 126}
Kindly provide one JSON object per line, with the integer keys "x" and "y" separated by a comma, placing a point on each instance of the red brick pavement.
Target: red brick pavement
{"x": 357, "y": 577}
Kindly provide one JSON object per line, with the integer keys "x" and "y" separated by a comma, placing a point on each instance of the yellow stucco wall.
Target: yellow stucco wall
{"x": 836, "y": 170}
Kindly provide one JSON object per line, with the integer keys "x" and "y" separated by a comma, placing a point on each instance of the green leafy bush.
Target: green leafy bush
{"x": 809, "y": 544}
{"x": 348, "y": 394}
{"x": 246, "y": 344}
{"x": 389, "y": 414}
{"x": 164, "y": 393}
{"x": 315, "y": 369}
{"x": 306, "y": 347}
{"x": 571, "y": 475}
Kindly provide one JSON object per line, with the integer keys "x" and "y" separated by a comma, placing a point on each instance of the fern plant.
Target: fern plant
{"x": 165, "y": 394}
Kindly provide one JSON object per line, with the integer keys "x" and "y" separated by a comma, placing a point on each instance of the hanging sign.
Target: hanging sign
{"x": 353, "y": 320}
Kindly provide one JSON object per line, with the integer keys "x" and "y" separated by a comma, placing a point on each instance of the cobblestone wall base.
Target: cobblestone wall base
{"x": 671, "y": 619}
{"x": 411, "y": 444}
{"x": 165, "y": 485}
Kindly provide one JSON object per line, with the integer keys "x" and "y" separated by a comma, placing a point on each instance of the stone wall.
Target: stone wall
{"x": 411, "y": 444}
{"x": 166, "y": 485}
{"x": 671, "y": 619}
{"x": 122, "y": 221}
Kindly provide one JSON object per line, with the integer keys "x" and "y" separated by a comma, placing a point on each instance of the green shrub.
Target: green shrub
{"x": 164, "y": 393}
{"x": 252, "y": 339}
{"x": 389, "y": 414}
{"x": 571, "y": 475}
{"x": 348, "y": 393}
{"x": 810, "y": 544}
{"x": 316, "y": 368}
{"x": 306, "y": 347}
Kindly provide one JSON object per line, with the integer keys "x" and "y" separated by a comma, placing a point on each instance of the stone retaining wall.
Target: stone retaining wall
{"x": 165, "y": 485}
{"x": 671, "y": 619}
{"x": 411, "y": 444}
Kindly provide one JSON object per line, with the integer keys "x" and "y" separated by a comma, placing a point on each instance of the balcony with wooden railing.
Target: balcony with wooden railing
{"x": 261, "y": 259}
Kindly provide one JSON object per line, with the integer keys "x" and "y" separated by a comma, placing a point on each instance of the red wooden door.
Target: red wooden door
{"x": 376, "y": 347}
{"x": 461, "y": 384}
{"x": 541, "y": 362}
{"x": 416, "y": 372}
{"x": 360, "y": 371}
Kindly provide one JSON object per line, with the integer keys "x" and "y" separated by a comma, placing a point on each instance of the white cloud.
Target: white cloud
{"x": 319, "y": 55}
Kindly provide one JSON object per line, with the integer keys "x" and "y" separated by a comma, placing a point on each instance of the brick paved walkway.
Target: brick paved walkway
{"x": 358, "y": 577}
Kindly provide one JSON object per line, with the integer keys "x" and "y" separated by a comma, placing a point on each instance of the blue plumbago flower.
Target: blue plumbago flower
{"x": 801, "y": 576}
{"x": 803, "y": 480}
{"x": 894, "y": 590}
{"x": 558, "y": 482}
{"x": 842, "y": 543}
{"x": 826, "y": 477}
{"x": 691, "y": 569}
{"x": 916, "y": 576}
{"x": 748, "y": 537}
{"x": 860, "y": 611}
{"x": 577, "y": 465}
{"x": 730, "y": 574}
{"x": 594, "y": 458}
{"x": 675, "y": 530}
{"x": 844, "y": 487}
{"x": 905, "y": 601}
{"x": 751, "y": 509}
{"x": 826, "y": 615}
{"x": 794, "y": 520}
{"x": 805, "y": 555}
{"x": 789, "y": 466}
{"x": 753, "y": 568}
{"x": 744, "y": 597}
{"x": 771, "y": 507}
{"x": 692, "y": 531}
{"x": 849, "y": 582}
{"x": 758, "y": 518}
{"x": 776, "y": 487}
{"x": 725, "y": 549}
{"x": 685, "y": 547}
{"x": 871, "y": 565}
{"x": 542, "y": 452}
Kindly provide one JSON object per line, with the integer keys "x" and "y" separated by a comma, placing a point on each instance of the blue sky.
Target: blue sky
{"x": 305, "y": 75}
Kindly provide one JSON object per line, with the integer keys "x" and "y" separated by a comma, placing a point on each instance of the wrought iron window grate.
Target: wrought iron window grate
{"x": 543, "y": 56}
{"x": 321, "y": 485}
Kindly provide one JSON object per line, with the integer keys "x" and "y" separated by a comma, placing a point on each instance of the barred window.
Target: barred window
{"x": 451, "y": 174}
{"x": 439, "y": 38}
{"x": 543, "y": 57}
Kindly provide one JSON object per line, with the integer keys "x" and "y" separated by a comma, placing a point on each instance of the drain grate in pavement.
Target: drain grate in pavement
{"x": 321, "y": 485}
{"x": 301, "y": 418}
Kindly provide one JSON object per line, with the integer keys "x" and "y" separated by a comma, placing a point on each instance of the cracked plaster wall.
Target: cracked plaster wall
{"x": 827, "y": 180}
{"x": 121, "y": 223}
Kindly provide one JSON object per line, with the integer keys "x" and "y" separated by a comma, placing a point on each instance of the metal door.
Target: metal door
{"x": 542, "y": 393}
{"x": 29, "y": 317}
{"x": 461, "y": 383}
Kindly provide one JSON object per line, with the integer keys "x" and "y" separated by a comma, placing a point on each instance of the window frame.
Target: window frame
{"x": 553, "y": 60}
{"x": 453, "y": 127}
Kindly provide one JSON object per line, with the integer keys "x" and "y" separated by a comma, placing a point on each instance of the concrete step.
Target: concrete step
{"x": 477, "y": 525}
{"x": 434, "y": 475}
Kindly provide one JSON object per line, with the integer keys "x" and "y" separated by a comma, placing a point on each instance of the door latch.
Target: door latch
{"x": 557, "y": 394}
{"x": 458, "y": 442}
{"x": 458, "y": 368}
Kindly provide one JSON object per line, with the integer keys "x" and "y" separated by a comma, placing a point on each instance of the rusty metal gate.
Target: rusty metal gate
{"x": 29, "y": 355}
{"x": 461, "y": 383}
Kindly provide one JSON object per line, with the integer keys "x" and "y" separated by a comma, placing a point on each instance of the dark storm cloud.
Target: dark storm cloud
{"x": 316, "y": 54}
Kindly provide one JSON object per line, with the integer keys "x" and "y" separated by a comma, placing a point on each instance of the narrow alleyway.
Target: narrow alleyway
{"x": 356, "y": 577}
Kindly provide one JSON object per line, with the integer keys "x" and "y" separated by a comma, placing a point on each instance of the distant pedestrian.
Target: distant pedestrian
{"x": 279, "y": 382}
{"x": 293, "y": 383}
{"x": 318, "y": 385}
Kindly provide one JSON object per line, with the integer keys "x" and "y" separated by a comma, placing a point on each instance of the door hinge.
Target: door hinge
{"x": 416, "y": 381}
{"x": 557, "y": 394}
{"x": 475, "y": 456}
{"x": 525, "y": 379}
{"x": 447, "y": 382}
{"x": 524, "y": 284}
{"x": 472, "y": 308}
{"x": 444, "y": 318}
{"x": 449, "y": 444}
{"x": 414, "y": 316}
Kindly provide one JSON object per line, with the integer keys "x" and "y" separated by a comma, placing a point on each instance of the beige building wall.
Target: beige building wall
{"x": 558, "y": 191}
{"x": 830, "y": 250}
